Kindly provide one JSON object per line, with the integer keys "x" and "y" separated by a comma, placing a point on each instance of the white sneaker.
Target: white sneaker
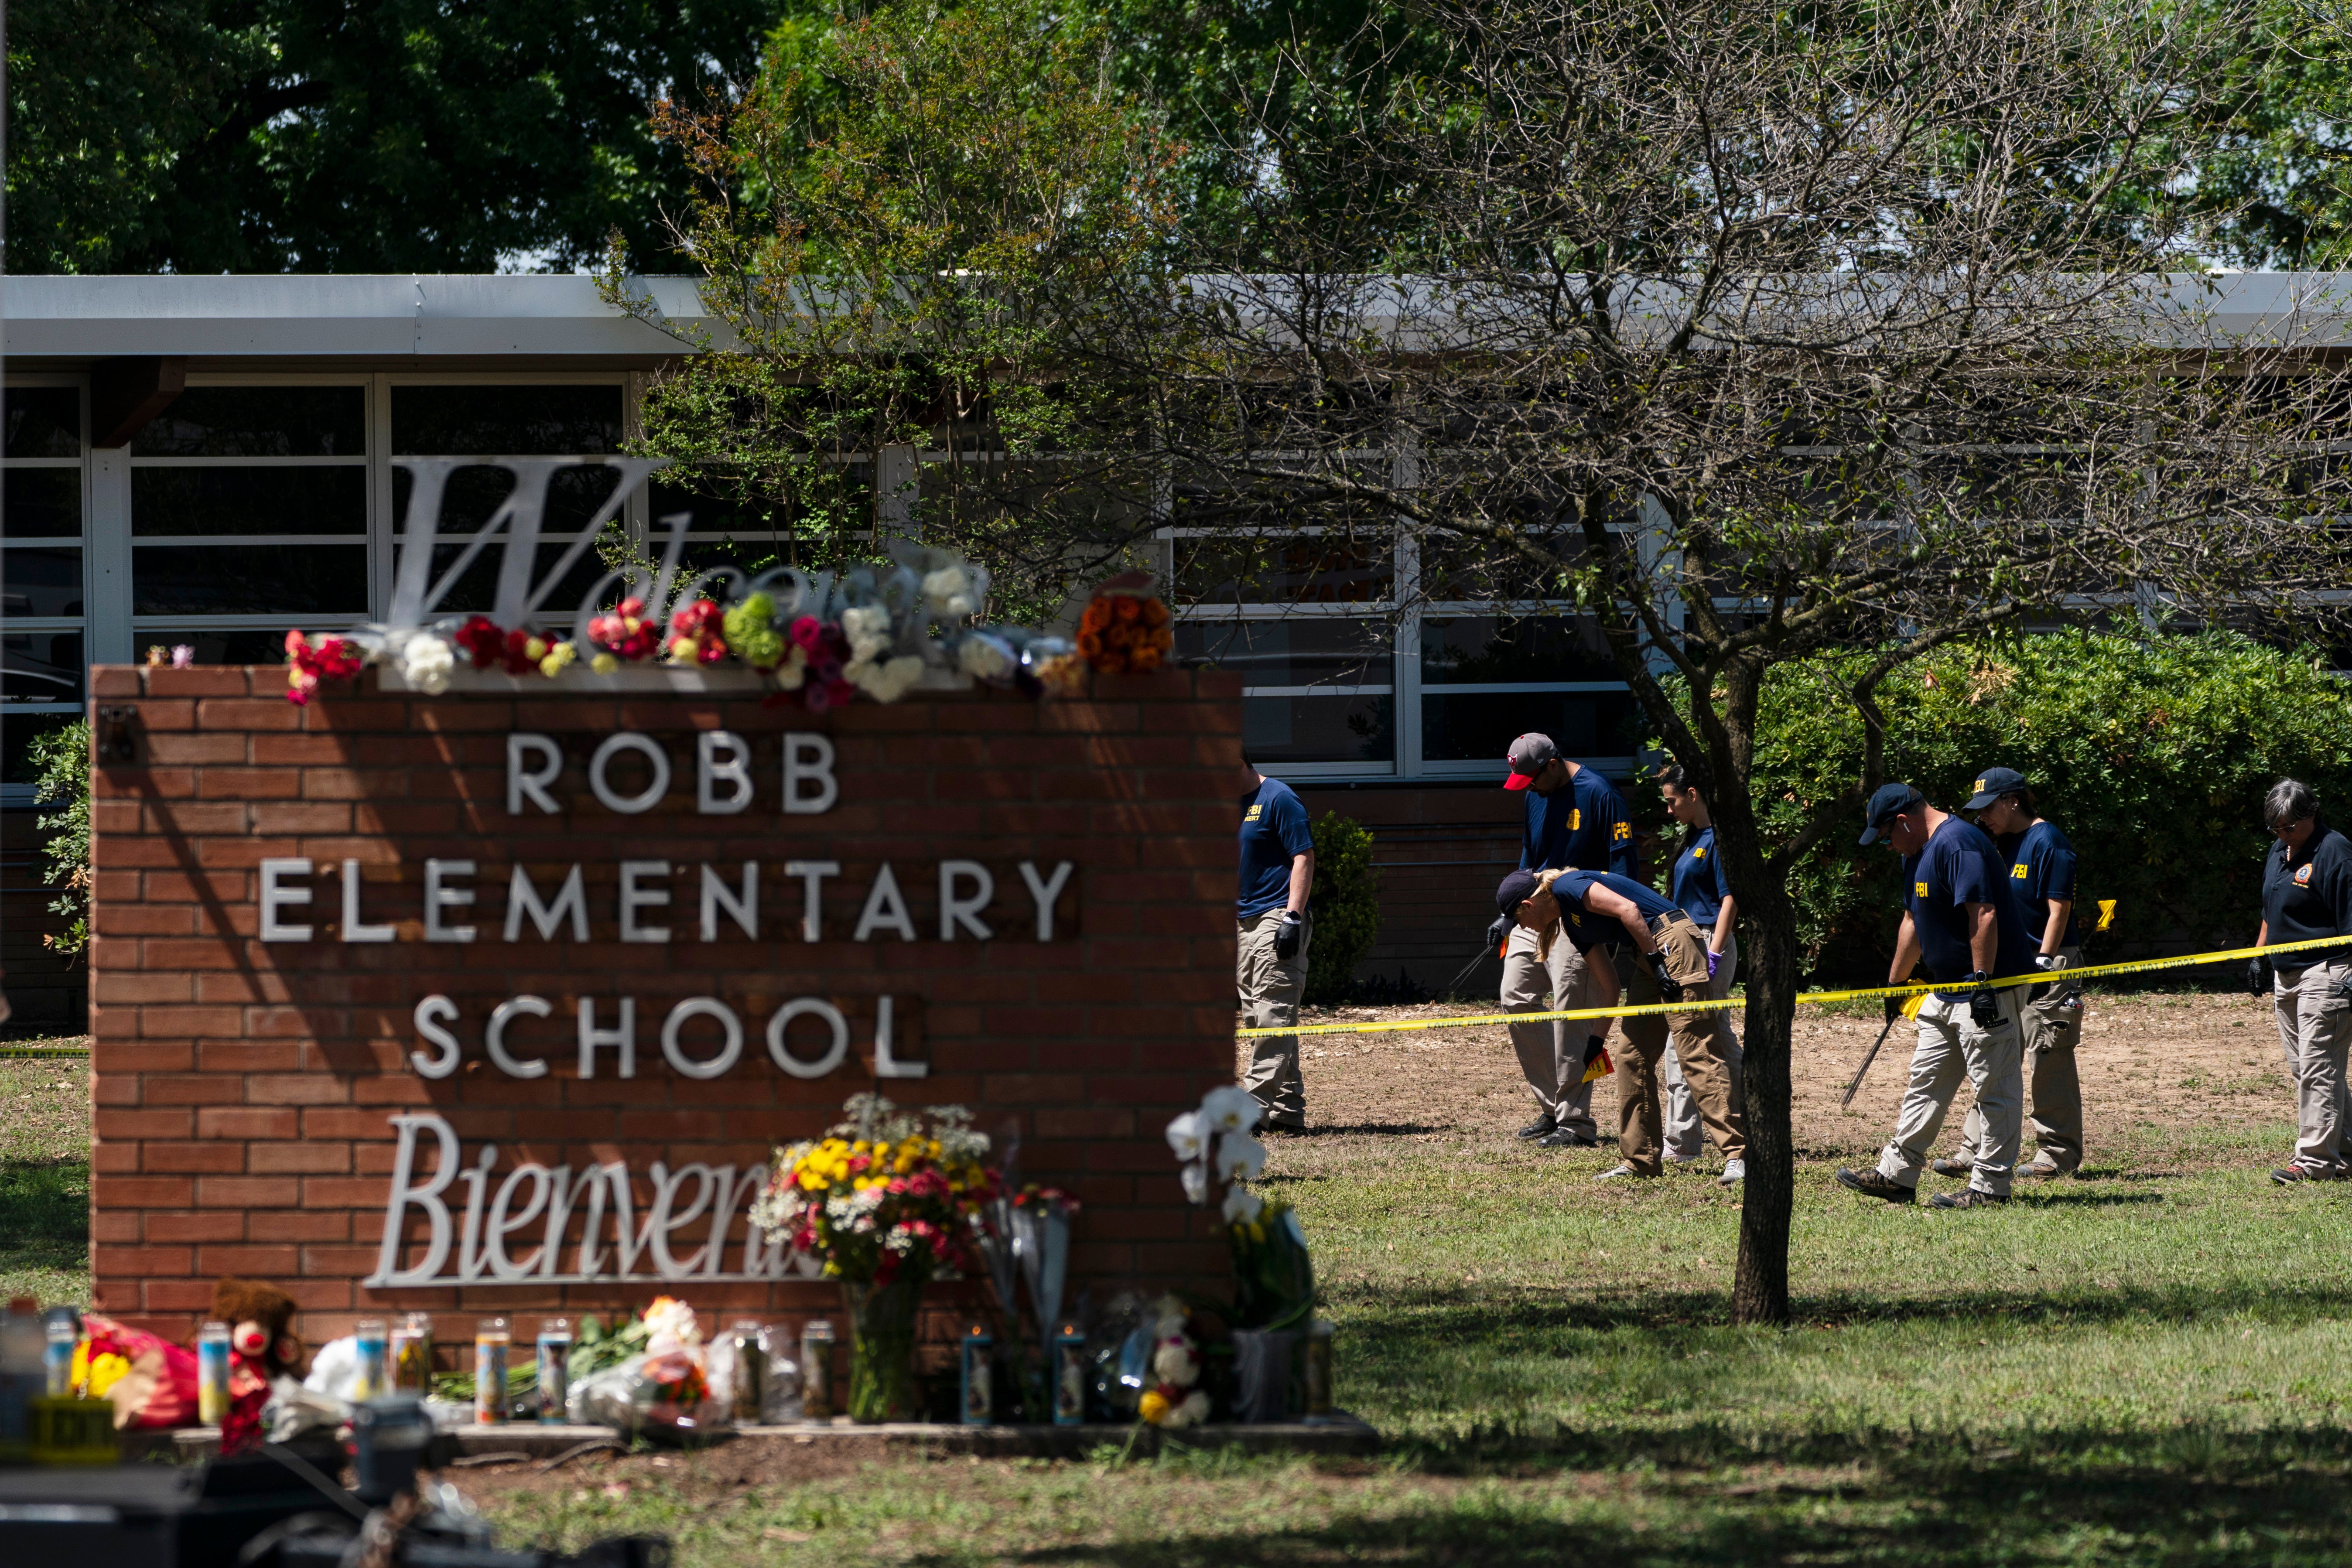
{"x": 1615, "y": 1172}
{"x": 1734, "y": 1171}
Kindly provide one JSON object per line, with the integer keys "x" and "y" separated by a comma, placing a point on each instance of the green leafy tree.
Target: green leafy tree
{"x": 897, "y": 225}
{"x": 320, "y": 136}
{"x": 1346, "y": 900}
{"x": 60, "y": 760}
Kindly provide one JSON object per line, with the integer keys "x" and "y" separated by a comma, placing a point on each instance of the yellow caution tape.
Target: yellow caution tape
{"x": 1809, "y": 999}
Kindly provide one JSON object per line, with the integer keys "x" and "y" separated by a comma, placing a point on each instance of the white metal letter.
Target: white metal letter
{"x": 634, "y": 898}
{"x": 431, "y": 1014}
{"x": 623, "y": 1039}
{"x": 886, "y": 910}
{"x": 427, "y": 1197}
{"x": 957, "y": 910}
{"x": 438, "y": 897}
{"x": 655, "y": 757}
{"x": 721, "y": 757}
{"x": 744, "y": 910}
{"x": 529, "y": 784}
{"x": 885, "y": 1064}
{"x": 813, "y": 1007}
{"x": 355, "y": 928}
{"x": 494, "y": 1038}
{"x": 702, "y": 1007}
{"x": 812, "y": 874}
{"x": 277, "y": 895}
{"x": 809, "y": 757}
{"x": 522, "y": 898}
{"x": 1042, "y": 892}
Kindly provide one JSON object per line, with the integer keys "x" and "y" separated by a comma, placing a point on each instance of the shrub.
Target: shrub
{"x": 1347, "y": 905}
{"x": 2151, "y": 753}
{"x": 62, "y": 775}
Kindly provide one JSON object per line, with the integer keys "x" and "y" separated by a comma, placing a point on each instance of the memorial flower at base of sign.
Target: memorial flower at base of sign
{"x": 334, "y": 658}
{"x": 696, "y": 635}
{"x": 884, "y": 1203}
{"x": 1273, "y": 1277}
{"x": 624, "y": 634}
{"x": 1171, "y": 1398}
{"x": 425, "y": 663}
{"x": 1125, "y": 630}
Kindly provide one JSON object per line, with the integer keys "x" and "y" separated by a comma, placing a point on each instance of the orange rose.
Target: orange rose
{"x": 1128, "y": 609}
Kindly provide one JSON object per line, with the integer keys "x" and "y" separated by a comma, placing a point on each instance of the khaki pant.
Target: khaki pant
{"x": 1685, "y": 1139}
{"x": 1639, "y": 1136}
{"x": 1551, "y": 1055}
{"x": 1270, "y": 988}
{"x": 1951, "y": 1044}
{"x": 2052, "y": 1023}
{"x": 2314, "y": 1025}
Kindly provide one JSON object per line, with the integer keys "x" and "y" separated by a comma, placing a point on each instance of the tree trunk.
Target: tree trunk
{"x": 1759, "y": 1287}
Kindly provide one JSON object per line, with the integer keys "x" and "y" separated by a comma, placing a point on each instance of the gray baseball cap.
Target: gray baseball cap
{"x": 1529, "y": 753}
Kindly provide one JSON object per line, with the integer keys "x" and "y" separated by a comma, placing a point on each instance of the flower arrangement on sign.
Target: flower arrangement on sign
{"x": 1273, "y": 1277}
{"x": 1125, "y": 630}
{"x": 887, "y": 1201}
{"x": 817, "y": 639}
{"x": 650, "y": 1373}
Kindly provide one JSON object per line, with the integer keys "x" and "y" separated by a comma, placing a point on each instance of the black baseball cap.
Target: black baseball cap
{"x": 1993, "y": 784}
{"x": 1891, "y": 802}
{"x": 1516, "y": 889}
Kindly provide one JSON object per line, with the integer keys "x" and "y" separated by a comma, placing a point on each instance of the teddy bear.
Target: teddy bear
{"x": 263, "y": 1353}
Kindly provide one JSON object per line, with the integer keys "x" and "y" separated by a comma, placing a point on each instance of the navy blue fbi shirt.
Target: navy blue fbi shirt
{"x": 2041, "y": 872}
{"x": 1583, "y": 826}
{"x": 1274, "y": 831}
{"x": 1587, "y": 930}
{"x": 1698, "y": 886}
{"x": 2309, "y": 895}
{"x": 1960, "y": 867}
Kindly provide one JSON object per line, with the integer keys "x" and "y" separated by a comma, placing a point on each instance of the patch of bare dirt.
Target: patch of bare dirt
{"x": 2170, "y": 1060}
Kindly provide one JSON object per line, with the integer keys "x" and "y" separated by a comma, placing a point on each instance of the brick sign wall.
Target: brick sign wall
{"x": 472, "y": 959}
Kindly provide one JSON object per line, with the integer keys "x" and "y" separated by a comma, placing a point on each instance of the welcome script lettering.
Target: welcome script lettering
{"x": 681, "y": 1228}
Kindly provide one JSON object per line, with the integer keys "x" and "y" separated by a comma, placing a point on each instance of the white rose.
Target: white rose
{"x": 425, "y": 663}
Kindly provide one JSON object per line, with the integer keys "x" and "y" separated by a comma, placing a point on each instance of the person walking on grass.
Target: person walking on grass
{"x": 2307, "y": 897}
{"x": 1274, "y": 929}
{"x": 2042, "y": 874}
{"x": 1575, "y": 818}
{"x": 1699, "y": 889}
{"x": 1960, "y": 916}
{"x": 1665, "y": 961}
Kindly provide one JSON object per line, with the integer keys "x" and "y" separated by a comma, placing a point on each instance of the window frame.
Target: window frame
{"x": 83, "y": 542}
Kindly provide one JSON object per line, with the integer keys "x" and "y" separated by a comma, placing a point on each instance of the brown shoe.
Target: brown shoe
{"x": 1952, "y": 1165}
{"x": 2043, "y": 1168}
{"x": 1968, "y": 1198}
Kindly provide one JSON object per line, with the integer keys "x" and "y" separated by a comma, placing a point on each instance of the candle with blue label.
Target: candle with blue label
{"x": 979, "y": 1377}
{"x": 212, "y": 1373}
{"x": 1069, "y": 1377}
{"x": 375, "y": 1375}
{"x": 554, "y": 1370}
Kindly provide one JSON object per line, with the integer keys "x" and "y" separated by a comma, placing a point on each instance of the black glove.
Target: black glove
{"x": 1287, "y": 935}
{"x": 1983, "y": 1005}
{"x": 1669, "y": 988}
{"x": 2258, "y": 976}
{"x": 1895, "y": 1006}
{"x": 1500, "y": 931}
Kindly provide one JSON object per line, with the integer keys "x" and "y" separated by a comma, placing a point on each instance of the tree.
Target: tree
{"x": 896, "y": 224}
{"x": 315, "y": 135}
{"x": 1765, "y": 334}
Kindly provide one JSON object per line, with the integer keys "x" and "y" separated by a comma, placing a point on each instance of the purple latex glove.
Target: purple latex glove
{"x": 1714, "y": 962}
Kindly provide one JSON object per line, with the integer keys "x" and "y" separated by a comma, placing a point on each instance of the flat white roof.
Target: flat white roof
{"x": 310, "y": 316}
{"x": 322, "y": 316}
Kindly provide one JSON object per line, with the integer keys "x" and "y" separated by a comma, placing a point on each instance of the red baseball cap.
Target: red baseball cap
{"x": 1529, "y": 753}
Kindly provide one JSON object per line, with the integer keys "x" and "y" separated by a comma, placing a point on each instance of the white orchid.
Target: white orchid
{"x": 1240, "y": 1158}
{"x": 1187, "y": 1137}
{"x": 1243, "y": 1206}
{"x": 425, "y": 662}
{"x": 1196, "y": 1184}
{"x": 1229, "y": 1108}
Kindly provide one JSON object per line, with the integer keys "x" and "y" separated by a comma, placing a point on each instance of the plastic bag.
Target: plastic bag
{"x": 656, "y": 1396}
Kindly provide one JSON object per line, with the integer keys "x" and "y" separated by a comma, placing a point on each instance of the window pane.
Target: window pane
{"x": 505, "y": 421}
{"x": 258, "y": 422}
{"x": 42, "y": 421}
{"x": 1299, "y": 651}
{"x": 206, "y": 504}
{"x": 42, "y": 503}
{"x": 271, "y": 579}
{"x": 40, "y": 582}
{"x": 1455, "y": 568}
{"x": 478, "y": 590}
{"x": 1305, "y": 569}
{"x": 1465, "y": 651}
{"x": 1481, "y": 726}
{"x": 40, "y": 666}
{"x": 213, "y": 645}
{"x": 742, "y": 520}
{"x": 1319, "y": 728}
{"x": 473, "y": 494}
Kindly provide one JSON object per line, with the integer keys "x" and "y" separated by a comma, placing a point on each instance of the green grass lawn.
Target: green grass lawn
{"x": 45, "y": 1177}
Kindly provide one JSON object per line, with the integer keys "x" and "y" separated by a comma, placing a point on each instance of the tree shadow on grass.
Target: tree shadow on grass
{"x": 45, "y": 1214}
{"x": 2194, "y": 1495}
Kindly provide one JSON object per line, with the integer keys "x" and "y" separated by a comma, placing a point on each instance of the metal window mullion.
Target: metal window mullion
{"x": 106, "y": 552}
{"x": 381, "y": 533}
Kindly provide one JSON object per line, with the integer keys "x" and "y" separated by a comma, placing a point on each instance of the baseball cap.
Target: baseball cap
{"x": 1516, "y": 890}
{"x": 1529, "y": 753}
{"x": 1994, "y": 783}
{"x": 1890, "y": 802}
